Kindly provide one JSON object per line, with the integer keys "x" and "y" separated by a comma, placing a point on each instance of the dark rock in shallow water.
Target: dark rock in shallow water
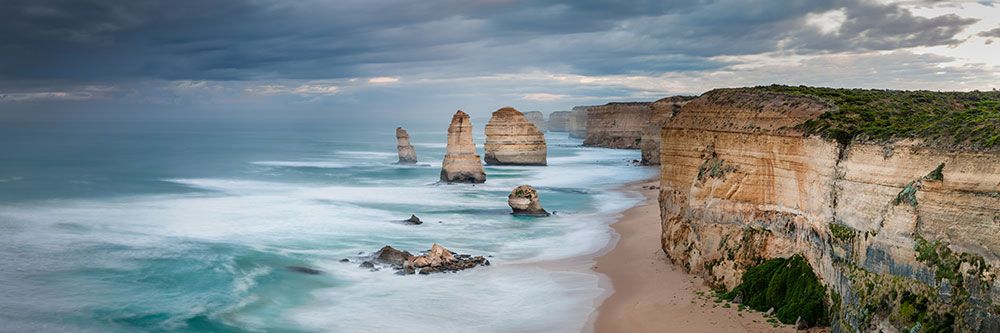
{"x": 391, "y": 256}
{"x": 413, "y": 220}
{"x": 305, "y": 270}
{"x": 345, "y": 260}
{"x": 367, "y": 264}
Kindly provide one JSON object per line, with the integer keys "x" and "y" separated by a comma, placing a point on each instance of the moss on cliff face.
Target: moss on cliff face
{"x": 965, "y": 119}
{"x": 787, "y": 285}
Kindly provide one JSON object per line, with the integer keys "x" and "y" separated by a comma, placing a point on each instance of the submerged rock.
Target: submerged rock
{"x": 512, "y": 139}
{"x": 407, "y": 154}
{"x": 524, "y": 201}
{"x": 461, "y": 163}
{"x": 413, "y": 220}
{"x": 305, "y": 270}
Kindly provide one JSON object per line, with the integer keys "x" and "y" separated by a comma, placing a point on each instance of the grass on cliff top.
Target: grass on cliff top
{"x": 787, "y": 285}
{"x": 962, "y": 119}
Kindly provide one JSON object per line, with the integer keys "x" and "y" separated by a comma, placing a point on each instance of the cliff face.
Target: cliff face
{"x": 406, "y": 152}
{"x": 536, "y": 118}
{"x": 661, "y": 111}
{"x": 461, "y": 163}
{"x": 882, "y": 230}
{"x": 617, "y": 125}
{"x": 578, "y": 122}
{"x": 511, "y": 139}
{"x": 559, "y": 121}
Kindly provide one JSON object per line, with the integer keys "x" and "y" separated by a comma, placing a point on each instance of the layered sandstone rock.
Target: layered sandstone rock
{"x": 739, "y": 185}
{"x": 511, "y": 139}
{"x": 524, "y": 201}
{"x": 406, "y": 152}
{"x": 662, "y": 110}
{"x": 559, "y": 121}
{"x": 538, "y": 119}
{"x": 617, "y": 125}
{"x": 461, "y": 163}
{"x": 578, "y": 122}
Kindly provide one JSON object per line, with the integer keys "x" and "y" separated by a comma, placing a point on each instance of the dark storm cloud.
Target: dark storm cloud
{"x": 107, "y": 40}
{"x": 990, "y": 33}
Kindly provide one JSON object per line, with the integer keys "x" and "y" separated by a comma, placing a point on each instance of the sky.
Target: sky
{"x": 417, "y": 61}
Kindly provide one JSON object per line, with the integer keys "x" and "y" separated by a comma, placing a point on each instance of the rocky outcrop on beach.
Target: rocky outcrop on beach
{"x": 617, "y": 125}
{"x": 661, "y": 111}
{"x": 524, "y": 201}
{"x": 886, "y": 226}
{"x": 461, "y": 163}
{"x": 559, "y": 121}
{"x": 436, "y": 260}
{"x": 512, "y": 140}
{"x": 578, "y": 122}
{"x": 538, "y": 119}
{"x": 406, "y": 152}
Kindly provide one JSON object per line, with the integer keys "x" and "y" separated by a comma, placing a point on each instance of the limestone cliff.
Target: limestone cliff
{"x": 617, "y": 125}
{"x": 559, "y": 121}
{"x": 511, "y": 139}
{"x": 889, "y": 227}
{"x": 578, "y": 122}
{"x": 461, "y": 163}
{"x": 538, "y": 119}
{"x": 406, "y": 152}
{"x": 662, "y": 110}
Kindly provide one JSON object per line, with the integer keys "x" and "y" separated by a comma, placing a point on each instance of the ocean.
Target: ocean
{"x": 120, "y": 227}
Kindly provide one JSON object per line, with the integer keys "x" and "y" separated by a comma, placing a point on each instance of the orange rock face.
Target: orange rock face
{"x": 406, "y": 152}
{"x": 617, "y": 125}
{"x": 662, "y": 110}
{"x": 461, "y": 163}
{"x": 511, "y": 139}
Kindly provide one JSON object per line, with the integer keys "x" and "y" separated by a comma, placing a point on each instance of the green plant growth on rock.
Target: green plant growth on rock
{"x": 936, "y": 174}
{"x": 907, "y": 195}
{"x": 843, "y": 233}
{"x": 966, "y": 119}
{"x": 787, "y": 285}
{"x": 714, "y": 167}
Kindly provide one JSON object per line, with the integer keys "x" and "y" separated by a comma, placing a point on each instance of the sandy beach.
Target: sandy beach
{"x": 652, "y": 295}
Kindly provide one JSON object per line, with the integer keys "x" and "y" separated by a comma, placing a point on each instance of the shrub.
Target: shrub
{"x": 787, "y": 285}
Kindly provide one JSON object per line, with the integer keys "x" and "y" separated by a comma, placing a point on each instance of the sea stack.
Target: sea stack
{"x": 406, "y": 153}
{"x": 578, "y": 122}
{"x": 461, "y": 163}
{"x": 512, "y": 140}
{"x": 559, "y": 121}
{"x": 524, "y": 201}
{"x": 538, "y": 119}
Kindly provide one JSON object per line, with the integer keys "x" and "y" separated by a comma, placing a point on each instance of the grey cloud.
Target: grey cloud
{"x": 990, "y": 33}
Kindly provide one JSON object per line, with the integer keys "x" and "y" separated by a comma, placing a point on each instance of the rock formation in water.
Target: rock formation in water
{"x": 662, "y": 110}
{"x": 617, "y": 125}
{"x": 888, "y": 226}
{"x": 578, "y": 122}
{"x": 524, "y": 201}
{"x": 559, "y": 121}
{"x": 406, "y": 152}
{"x": 511, "y": 139}
{"x": 461, "y": 163}
{"x": 439, "y": 260}
{"x": 538, "y": 119}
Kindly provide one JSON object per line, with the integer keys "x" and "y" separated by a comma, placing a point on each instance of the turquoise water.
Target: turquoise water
{"x": 180, "y": 227}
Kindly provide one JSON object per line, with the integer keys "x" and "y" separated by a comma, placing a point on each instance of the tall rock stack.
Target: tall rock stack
{"x": 536, "y": 118}
{"x": 461, "y": 164}
{"x": 406, "y": 152}
{"x": 617, "y": 125}
{"x": 578, "y": 122}
{"x": 559, "y": 121}
{"x": 663, "y": 110}
{"x": 512, "y": 139}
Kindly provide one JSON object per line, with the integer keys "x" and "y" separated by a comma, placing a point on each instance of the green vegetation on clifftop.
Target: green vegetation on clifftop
{"x": 965, "y": 119}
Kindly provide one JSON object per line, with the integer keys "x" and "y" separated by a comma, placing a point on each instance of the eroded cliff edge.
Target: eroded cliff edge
{"x": 903, "y": 231}
{"x": 617, "y": 125}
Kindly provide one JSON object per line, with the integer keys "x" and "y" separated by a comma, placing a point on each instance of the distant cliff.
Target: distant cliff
{"x": 578, "y": 122}
{"x": 617, "y": 125}
{"x": 889, "y": 197}
{"x": 538, "y": 119}
{"x": 559, "y": 121}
